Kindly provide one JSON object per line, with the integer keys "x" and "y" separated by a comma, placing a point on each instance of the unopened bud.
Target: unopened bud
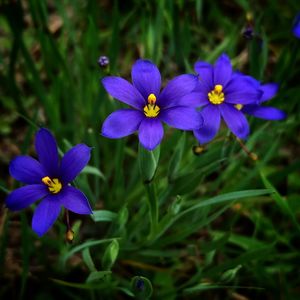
{"x": 70, "y": 236}
{"x": 253, "y": 156}
{"x": 198, "y": 150}
{"x": 103, "y": 61}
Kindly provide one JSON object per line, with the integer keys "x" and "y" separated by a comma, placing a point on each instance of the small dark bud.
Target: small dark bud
{"x": 140, "y": 285}
{"x": 248, "y": 33}
{"x": 103, "y": 61}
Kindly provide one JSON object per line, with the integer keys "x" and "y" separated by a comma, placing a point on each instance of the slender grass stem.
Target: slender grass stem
{"x": 153, "y": 209}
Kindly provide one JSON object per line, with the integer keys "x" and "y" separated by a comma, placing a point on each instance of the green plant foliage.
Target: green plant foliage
{"x": 184, "y": 221}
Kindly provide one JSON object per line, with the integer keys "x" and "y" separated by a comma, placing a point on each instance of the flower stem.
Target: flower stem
{"x": 153, "y": 209}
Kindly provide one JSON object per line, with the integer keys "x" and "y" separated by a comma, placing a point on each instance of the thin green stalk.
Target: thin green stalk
{"x": 153, "y": 209}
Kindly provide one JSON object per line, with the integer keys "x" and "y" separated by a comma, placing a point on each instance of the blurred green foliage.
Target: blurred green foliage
{"x": 221, "y": 226}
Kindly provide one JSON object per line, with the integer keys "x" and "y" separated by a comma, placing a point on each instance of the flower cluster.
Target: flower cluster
{"x": 217, "y": 90}
{"x": 150, "y": 106}
{"x": 195, "y": 102}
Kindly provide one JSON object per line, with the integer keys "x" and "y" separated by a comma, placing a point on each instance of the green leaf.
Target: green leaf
{"x": 88, "y": 286}
{"x": 86, "y": 255}
{"x": 176, "y": 205}
{"x": 110, "y": 255}
{"x": 167, "y": 222}
{"x": 176, "y": 158}
{"x": 227, "y": 197}
{"x": 104, "y": 216}
{"x": 93, "y": 171}
{"x": 207, "y": 286}
{"x": 148, "y": 161}
{"x": 123, "y": 216}
{"x": 230, "y": 274}
{"x": 282, "y": 203}
{"x": 97, "y": 275}
{"x": 83, "y": 246}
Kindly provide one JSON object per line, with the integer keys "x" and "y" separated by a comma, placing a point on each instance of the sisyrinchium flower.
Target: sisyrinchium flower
{"x": 150, "y": 106}
{"x": 218, "y": 90}
{"x": 258, "y": 110}
{"x": 49, "y": 180}
{"x": 296, "y": 26}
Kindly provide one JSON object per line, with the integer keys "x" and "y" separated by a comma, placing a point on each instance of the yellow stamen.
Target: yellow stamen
{"x": 216, "y": 96}
{"x": 238, "y": 106}
{"x": 151, "y": 99}
{"x": 54, "y": 185}
{"x": 218, "y": 88}
{"x": 151, "y": 110}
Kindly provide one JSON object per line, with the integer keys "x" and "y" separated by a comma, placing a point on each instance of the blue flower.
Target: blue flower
{"x": 48, "y": 180}
{"x": 296, "y": 26}
{"x": 219, "y": 89}
{"x": 150, "y": 106}
{"x": 257, "y": 110}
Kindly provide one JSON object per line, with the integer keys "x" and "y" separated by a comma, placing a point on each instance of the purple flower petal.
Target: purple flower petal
{"x": 151, "y": 133}
{"x": 266, "y": 113}
{"x": 122, "y": 90}
{"x": 74, "y": 161}
{"x": 25, "y": 196}
{"x": 269, "y": 91}
{"x": 176, "y": 89}
{"x": 212, "y": 120}
{"x": 243, "y": 97}
{"x": 240, "y": 82}
{"x": 296, "y": 26}
{"x": 182, "y": 117}
{"x": 75, "y": 201}
{"x": 246, "y": 94}
{"x": 46, "y": 148}
{"x": 194, "y": 99}
{"x": 296, "y": 31}
{"x": 243, "y": 90}
{"x": 121, "y": 123}
{"x": 46, "y": 214}
{"x": 206, "y": 74}
{"x": 235, "y": 120}
{"x": 222, "y": 70}
{"x": 146, "y": 77}
{"x": 27, "y": 170}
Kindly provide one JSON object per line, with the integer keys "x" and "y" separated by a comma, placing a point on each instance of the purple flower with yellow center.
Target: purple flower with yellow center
{"x": 296, "y": 26}
{"x": 218, "y": 90}
{"x": 269, "y": 90}
{"x": 48, "y": 180}
{"x": 150, "y": 106}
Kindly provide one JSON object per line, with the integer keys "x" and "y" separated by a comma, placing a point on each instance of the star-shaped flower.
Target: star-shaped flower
{"x": 218, "y": 91}
{"x": 150, "y": 106}
{"x": 48, "y": 180}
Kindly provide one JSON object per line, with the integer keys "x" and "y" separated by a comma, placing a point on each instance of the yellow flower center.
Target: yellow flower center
{"x": 54, "y": 185}
{"x": 216, "y": 96}
{"x": 151, "y": 110}
{"x": 238, "y": 106}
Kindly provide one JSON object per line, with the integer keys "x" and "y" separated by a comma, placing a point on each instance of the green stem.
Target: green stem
{"x": 153, "y": 209}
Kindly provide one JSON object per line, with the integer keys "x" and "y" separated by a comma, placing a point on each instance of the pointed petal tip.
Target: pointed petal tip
{"x": 150, "y": 133}
{"x": 75, "y": 200}
{"x": 46, "y": 213}
{"x": 26, "y": 169}
{"x": 74, "y": 161}
{"x": 146, "y": 77}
